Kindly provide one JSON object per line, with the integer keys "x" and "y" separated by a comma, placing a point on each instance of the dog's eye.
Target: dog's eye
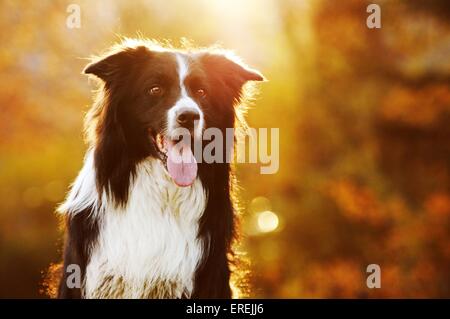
{"x": 200, "y": 92}
{"x": 155, "y": 90}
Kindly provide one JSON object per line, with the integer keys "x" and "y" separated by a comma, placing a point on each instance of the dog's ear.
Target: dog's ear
{"x": 227, "y": 75}
{"x": 230, "y": 69}
{"x": 110, "y": 64}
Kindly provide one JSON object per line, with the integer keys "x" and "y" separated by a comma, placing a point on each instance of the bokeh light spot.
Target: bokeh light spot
{"x": 259, "y": 204}
{"x": 267, "y": 221}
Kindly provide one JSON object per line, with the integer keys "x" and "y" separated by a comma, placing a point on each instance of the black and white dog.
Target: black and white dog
{"x": 140, "y": 224}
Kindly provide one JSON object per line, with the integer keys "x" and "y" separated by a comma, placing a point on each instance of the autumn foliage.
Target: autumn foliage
{"x": 364, "y": 119}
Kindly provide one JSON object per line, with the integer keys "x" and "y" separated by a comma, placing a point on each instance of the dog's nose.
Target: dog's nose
{"x": 187, "y": 118}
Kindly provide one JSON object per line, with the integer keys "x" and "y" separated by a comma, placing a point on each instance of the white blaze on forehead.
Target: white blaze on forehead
{"x": 183, "y": 69}
{"x": 185, "y": 102}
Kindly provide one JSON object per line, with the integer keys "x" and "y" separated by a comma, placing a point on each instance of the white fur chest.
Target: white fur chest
{"x": 149, "y": 249}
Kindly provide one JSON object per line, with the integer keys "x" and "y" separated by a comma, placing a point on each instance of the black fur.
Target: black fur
{"x": 82, "y": 233}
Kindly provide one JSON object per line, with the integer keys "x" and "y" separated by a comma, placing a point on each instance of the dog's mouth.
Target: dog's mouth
{"x": 178, "y": 157}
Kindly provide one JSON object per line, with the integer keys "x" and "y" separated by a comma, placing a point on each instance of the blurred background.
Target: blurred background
{"x": 364, "y": 118}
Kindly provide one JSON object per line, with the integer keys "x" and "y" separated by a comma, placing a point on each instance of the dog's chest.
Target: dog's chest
{"x": 150, "y": 248}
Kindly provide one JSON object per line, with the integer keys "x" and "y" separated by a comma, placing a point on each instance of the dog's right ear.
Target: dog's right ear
{"x": 108, "y": 66}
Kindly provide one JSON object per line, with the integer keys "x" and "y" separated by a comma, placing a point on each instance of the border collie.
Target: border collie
{"x": 139, "y": 223}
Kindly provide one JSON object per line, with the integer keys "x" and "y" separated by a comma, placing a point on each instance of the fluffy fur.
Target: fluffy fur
{"x": 133, "y": 231}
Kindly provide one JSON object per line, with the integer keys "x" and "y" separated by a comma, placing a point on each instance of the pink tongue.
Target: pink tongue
{"x": 181, "y": 163}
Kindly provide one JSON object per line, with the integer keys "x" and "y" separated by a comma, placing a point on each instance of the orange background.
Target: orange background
{"x": 364, "y": 118}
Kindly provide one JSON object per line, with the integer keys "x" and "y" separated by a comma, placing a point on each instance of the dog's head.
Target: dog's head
{"x": 152, "y": 97}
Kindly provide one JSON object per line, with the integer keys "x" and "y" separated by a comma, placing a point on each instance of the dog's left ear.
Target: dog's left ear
{"x": 230, "y": 70}
{"x": 240, "y": 70}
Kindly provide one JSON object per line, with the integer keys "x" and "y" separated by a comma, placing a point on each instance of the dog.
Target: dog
{"x": 140, "y": 223}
